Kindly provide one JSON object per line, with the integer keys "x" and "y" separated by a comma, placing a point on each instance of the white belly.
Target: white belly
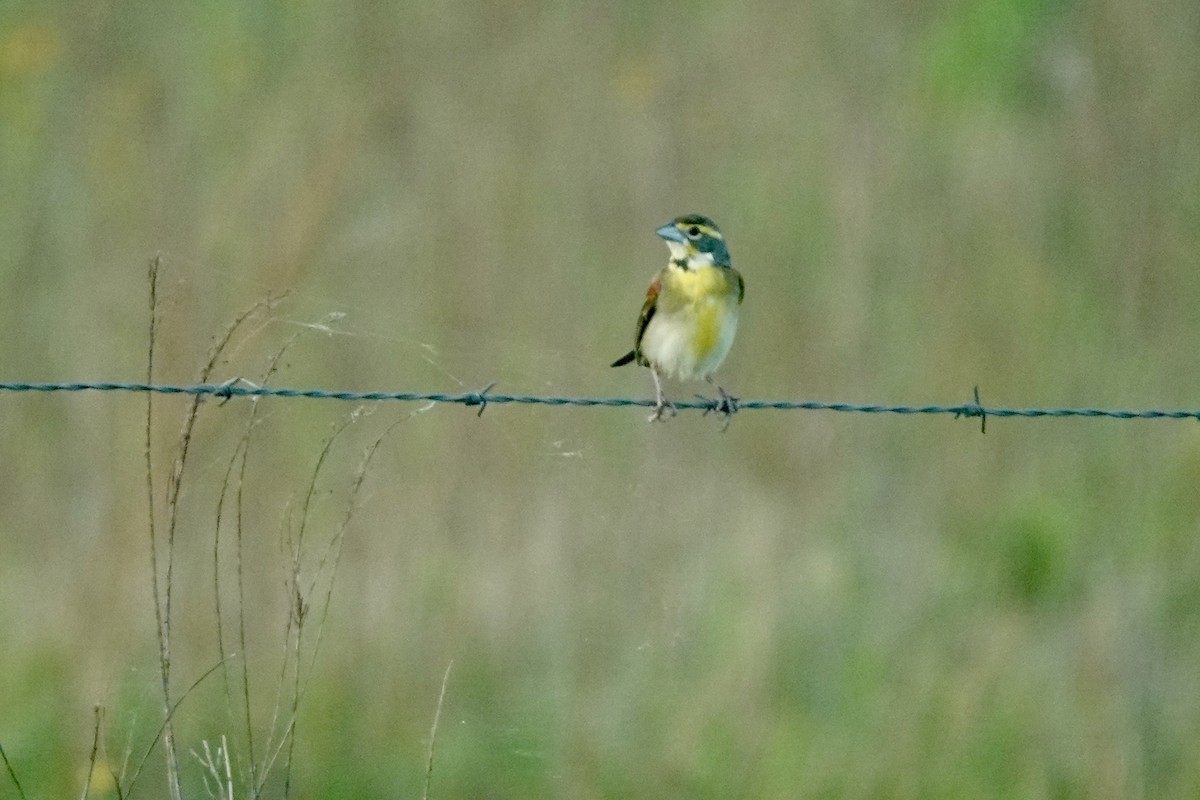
{"x": 691, "y": 342}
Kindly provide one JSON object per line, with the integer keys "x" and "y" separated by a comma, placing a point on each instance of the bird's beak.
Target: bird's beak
{"x": 671, "y": 233}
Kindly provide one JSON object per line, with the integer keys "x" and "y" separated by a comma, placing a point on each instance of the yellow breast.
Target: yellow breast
{"x": 694, "y": 321}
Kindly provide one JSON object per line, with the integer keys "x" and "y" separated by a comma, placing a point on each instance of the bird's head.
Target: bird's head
{"x": 695, "y": 242}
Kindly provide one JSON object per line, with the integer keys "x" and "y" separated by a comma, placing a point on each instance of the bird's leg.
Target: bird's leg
{"x": 661, "y": 403}
{"x": 727, "y": 404}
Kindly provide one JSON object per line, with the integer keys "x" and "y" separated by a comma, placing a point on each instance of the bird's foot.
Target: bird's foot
{"x": 726, "y": 405}
{"x": 664, "y": 409}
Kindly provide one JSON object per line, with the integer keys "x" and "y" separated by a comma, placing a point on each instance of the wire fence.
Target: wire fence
{"x": 484, "y": 397}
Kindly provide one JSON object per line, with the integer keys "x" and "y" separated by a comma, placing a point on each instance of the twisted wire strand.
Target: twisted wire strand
{"x": 484, "y": 397}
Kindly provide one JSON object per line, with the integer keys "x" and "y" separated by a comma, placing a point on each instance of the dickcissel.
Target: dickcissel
{"x": 690, "y": 315}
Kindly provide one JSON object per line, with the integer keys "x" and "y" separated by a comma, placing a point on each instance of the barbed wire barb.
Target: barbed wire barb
{"x": 975, "y": 409}
{"x": 480, "y": 398}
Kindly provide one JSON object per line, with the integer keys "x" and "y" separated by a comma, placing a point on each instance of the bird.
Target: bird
{"x": 690, "y": 315}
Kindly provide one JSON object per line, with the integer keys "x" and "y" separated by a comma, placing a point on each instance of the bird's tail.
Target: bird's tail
{"x": 625, "y": 359}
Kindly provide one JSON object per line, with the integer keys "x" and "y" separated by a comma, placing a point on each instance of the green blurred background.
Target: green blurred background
{"x": 922, "y": 197}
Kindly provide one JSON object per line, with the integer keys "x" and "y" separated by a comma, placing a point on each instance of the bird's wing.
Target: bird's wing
{"x": 647, "y": 314}
{"x": 741, "y": 287}
{"x": 648, "y": 308}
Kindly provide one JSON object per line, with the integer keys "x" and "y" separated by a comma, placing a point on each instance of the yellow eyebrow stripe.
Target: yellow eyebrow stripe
{"x": 704, "y": 229}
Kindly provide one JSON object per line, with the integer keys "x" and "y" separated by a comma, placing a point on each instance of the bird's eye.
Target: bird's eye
{"x": 693, "y": 231}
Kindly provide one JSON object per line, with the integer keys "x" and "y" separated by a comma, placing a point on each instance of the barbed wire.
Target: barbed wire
{"x": 484, "y": 397}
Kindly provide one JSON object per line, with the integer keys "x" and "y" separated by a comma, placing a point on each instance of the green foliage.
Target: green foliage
{"x": 989, "y": 51}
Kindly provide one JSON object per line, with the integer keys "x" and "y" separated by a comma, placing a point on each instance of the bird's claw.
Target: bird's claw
{"x": 663, "y": 410}
{"x": 726, "y": 405}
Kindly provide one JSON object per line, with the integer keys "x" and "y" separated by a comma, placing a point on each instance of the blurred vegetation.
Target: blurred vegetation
{"x": 922, "y": 197}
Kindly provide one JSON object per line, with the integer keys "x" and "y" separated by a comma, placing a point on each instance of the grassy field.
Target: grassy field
{"x": 923, "y": 197}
